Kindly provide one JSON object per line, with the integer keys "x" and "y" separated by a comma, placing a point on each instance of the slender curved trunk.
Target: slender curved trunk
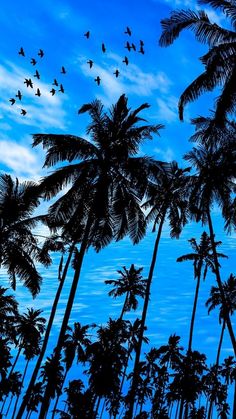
{"x": 219, "y": 283}
{"x": 59, "y": 395}
{"x": 234, "y": 406}
{"x": 57, "y": 350}
{"x": 211, "y": 404}
{"x": 22, "y": 383}
{"x": 123, "y": 308}
{"x": 46, "y": 337}
{"x": 143, "y": 320}
{"x": 194, "y": 310}
{"x": 9, "y": 406}
{"x": 9, "y": 375}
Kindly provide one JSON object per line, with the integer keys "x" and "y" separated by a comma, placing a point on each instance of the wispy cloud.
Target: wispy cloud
{"x": 167, "y": 109}
{"x": 167, "y": 154}
{"x": 44, "y": 112}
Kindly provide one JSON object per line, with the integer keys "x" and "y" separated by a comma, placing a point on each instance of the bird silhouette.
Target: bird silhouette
{"x": 103, "y": 48}
{"x": 61, "y": 89}
{"x": 41, "y": 53}
{"x": 19, "y": 95}
{"x": 38, "y": 93}
{"x": 33, "y": 61}
{"x": 128, "y": 31}
{"x": 125, "y": 60}
{"x": 97, "y": 80}
{"x": 28, "y": 83}
{"x": 90, "y": 62}
{"x": 37, "y": 75}
{"x": 55, "y": 82}
{"x": 141, "y": 43}
{"x": 116, "y": 73}
{"x": 12, "y": 100}
{"x": 23, "y": 112}
{"x": 53, "y": 91}
{"x": 87, "y": 34}
{"x": 128, "y": 46}
{"x": 141, "y": 49}
{"x": 63, "y": 71}
{"x": 21, "y": 52}
{"x": 133, "y": 47}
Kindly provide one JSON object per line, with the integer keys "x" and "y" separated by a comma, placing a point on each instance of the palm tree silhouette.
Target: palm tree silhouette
{"x": 108, "y": 174}
{"x": 219, "y": 63}
{"x": 18, "y": 246}
{"x": 8, "y": 313}
{"x": 129, "y": 283}
{"x": 213, "y": 182}
{"x": 202, "y": 260}
{"x": 167, "y": 199}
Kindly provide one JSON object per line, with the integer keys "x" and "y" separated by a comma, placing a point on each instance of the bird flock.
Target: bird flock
{"x": 31, "y": 84}
{"x": 129, "y": 46}
{"x": 57, "y": 86}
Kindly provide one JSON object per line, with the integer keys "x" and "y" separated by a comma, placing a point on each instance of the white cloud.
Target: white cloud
{"x": 44, "y": 111}
{"x": 166, "y": 155}
{"x": 167, "y": 109}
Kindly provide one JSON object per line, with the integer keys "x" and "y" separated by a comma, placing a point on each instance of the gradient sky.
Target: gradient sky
{"x": 157, "y": 77}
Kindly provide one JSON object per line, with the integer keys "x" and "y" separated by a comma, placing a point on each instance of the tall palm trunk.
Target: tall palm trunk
{"x": 58, "y": 349}
{"x": 10, "y": 373}
{"x": 219, "y": 283}
{"x": 143, "y": 320}
{"x": 124, "y": 306}
{"x": 22, "y": 383}
{"x": 59, "y": 394}
{"x": 194, "y": 310}
{"x": 46, "y": 337}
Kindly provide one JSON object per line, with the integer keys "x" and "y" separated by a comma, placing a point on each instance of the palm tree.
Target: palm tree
{"x": 19, "y": 248}
{"x": 214, "y": 181}
{"x": 8, "y": 313}
{"x": 106, "y": 172}
{"x": 129, "y": 283}
{"x": 167, "y": 199}
{"x": 219, "y": 61}
{"x": 202, "y": 259}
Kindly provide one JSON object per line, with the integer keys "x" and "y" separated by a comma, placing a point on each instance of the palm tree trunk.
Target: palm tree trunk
{"x": 10, "y": 373}
{"x": 194, "y": 310}
{"x": 234, "y": 406}
{"x": 59, "y": 394}
{"x": 143, "y": 320}
{"x": 46, "y": 337}
{"x": 219, "y": 283}
{"x": 18, "y": 396}
{"x": 9, "y": 406}
{"x": 124, "y": 305}
{"x": 57, "y": 351}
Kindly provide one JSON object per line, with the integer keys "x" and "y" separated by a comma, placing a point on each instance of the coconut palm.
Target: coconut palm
{"x": 8, "y": 313}
{"x": 167, "y": 199}
{"x": 219, "y": 61}
{"x": 19, "y": 248}
{"x": 107, "y": 184}
{"x": 129, "y": 283}
{"x": 202, "y": 260}
{"x": 213, "y": 183}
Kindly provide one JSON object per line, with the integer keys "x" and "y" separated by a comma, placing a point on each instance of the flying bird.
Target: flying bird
{"x": 87, "y": 34}
{"x": 38, "y": 93}
{"x": 133, "y": 47}
{"x": 33, "y": 61}
{"x": 12, "y": 100}
{"x": 116, "y": 73}
{"x": 21, "y": 52}
{"x": 61, "y": 89}
{"x": 90, "y": 62}
{"x": 19, "y": 95}
{"x": 63, "y": 71}
{"x": 128, "y": 31}
{"x": 97, "y": 80}
{"x": 28, "y": 83}
{"x": 53, "y": 91}
{"x": 128, "y": 46}
{"x": 103, "y": 48}
{"x": 141, "y": 49}
{"x": 125, "y": 60}
{"x": 37, "y": 75}
{"x": 23, "y": 112}
{"x": 55, "y": 82}
{"x": 41, "y": 53}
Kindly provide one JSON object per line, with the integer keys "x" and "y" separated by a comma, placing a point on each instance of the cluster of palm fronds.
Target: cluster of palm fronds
{"x": 113, "y": 192}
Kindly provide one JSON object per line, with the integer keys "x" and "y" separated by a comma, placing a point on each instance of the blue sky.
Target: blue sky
{"x": 157, "y": 77}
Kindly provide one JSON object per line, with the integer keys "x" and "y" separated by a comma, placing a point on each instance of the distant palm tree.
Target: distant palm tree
{"x": 107, "y": 184}
{"x": 203, "y": 259}
{"x": 213, "y": 182}
{"x": 167, "y": 199}
{"x": 219, "y": 61}
{"x": 8, "y": 313}
{"x": 19, "y": 249}
{"x": 129, "y": 283}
